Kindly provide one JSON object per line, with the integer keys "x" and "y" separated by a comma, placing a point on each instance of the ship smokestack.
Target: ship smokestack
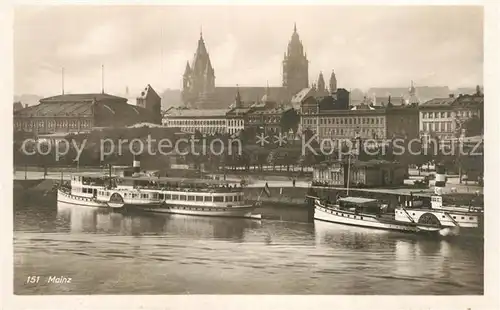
{"x": 440, "y": 178}
{"x": 137, "y": 164}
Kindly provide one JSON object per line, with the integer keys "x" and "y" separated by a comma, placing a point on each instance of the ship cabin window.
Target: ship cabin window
{"x": 175, "y": 197}
{"x": 219, "y": 199}
{"x": 229, "y": 198}
{"x": 471, "y": 218}
{"x": 463, "y": 218}
{"x": 183, "y": 197}
{"x": 191, "y": 198}
{"x": 144, "y": 195}
{"x": 454, "y": 217}
{"x": 155, "y": 195}
{"x": 168, "y": 196}
{"x": 125, "y": 195}
{"x": 208, "y": 198}
{"x": 160, "y": 196}
{"x": 199, "y": 198}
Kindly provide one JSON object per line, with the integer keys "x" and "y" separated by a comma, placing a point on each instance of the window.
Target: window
{"x": 208, "y": 198}
{"x": 218, "y": 199}
{"x": 443, "y": 114}
{"x": 175, "y": 197}
{"x": 183, "y": 197}
{"x": 424, "y": 114}
{"x": 199, "y": 198}
{"x": 191, "y": 198}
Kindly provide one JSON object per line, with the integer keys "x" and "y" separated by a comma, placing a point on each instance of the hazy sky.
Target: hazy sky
{"x": 367, "y": 46}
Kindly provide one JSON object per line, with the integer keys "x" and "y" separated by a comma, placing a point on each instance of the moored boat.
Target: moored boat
{"x": 143, "y": 192}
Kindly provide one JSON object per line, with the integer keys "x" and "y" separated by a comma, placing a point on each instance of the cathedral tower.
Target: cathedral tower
{"x": 199, "y": 77}
{"x": 295, "y": 65}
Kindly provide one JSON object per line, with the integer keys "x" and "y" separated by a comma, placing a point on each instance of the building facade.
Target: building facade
{"x": 364, "y": 121}
{"x": 444, "y": 117}
{"x": 374, "y": 173}
{"x": 210, "y": 121}
{"x": 79, "y": 113}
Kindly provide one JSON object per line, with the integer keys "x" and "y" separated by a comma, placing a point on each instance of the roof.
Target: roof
{"x": 439, "y": 102}
{"x": 423, "y": 92}
{"x": 80, "y": 109}
{"x": 82, "y": 98}
{"x": 55, "y": 135}
{"x": 303, "y": 94}
{"x": 148, "y": 91}
{"x": 114, "y": 113}
{"x": 201, "y": 113}
{"x": 357, "y": 200}
{"x": 224, "y": 96}
{"x": 149, "y": 125}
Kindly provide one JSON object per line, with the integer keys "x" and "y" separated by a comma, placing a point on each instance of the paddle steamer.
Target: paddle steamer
{"x": 143, "y": 192}
{"x": 410, "y": 216}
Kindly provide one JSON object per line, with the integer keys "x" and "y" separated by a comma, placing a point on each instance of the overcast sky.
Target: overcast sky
{"x": 367, "y": 46}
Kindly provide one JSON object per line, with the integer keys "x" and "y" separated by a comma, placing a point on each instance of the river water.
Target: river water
{"x": 113, "y": 253}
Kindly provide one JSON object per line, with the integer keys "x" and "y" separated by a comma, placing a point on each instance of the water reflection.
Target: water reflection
{"x": 89, "y": 220}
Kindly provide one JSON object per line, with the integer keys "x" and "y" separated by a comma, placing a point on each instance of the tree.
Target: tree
{"x": 473, "y": 126}
{"x": 290, "y": 119}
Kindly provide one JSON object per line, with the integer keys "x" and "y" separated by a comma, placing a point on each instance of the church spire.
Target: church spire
{"x": 294, "y": 27}
{"x": 321, "y": 82}
{"x": 187, "y": 71}
{"x": 237, "y": 99}
{"x": 333, "y": 82}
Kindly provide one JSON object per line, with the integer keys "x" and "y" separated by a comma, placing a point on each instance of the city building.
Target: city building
{"x": 236, "y": 117}
{"x": 79, "y": 113}
{"x": 365, "y": 121}
{"x": 444, "y": 117}
{"x": 150, "y": 100}
{"x": 209, "y": 121}
{"x": 199, "y": 90}
{"x": 372, "y": 173}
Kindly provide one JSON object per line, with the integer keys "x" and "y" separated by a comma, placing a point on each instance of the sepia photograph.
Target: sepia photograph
{"x": 249, "y": 150}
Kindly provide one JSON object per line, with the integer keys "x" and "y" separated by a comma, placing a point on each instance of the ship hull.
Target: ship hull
{"x": 67, "y": 198}
{"x": 322, "y": 213}
{"x": 235, "y": 211}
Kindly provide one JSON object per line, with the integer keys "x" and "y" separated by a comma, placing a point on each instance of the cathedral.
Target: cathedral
{"x": 199, "y": 90}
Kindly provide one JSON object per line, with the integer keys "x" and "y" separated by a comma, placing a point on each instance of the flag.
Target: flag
{"x": 267, "y": 190}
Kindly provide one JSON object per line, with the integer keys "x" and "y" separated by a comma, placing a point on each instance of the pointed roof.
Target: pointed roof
{"x": 321, "y": 82}
{"x": 267, "y": 95}
{"x": 187, "y": 71}
{"x": 148, "y": 91}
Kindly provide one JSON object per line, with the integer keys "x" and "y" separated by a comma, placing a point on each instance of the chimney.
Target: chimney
{"x": 137, "y": 164}
{"x": 440, "y": 176}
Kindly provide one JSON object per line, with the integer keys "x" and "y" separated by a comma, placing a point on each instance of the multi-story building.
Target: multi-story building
{"x": 78, "y": 113}
{"x": 443, "y": 117}
{"x": 365, "y": 121}
{"x": 191, "y": 120}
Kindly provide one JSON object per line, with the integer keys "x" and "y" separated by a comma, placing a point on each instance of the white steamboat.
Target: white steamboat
{"x": 154, "y": 194}
{"x": 412, "y": 216}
